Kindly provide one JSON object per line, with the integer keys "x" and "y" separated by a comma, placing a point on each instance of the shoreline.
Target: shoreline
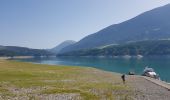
{"x": 16, "y": 57}
{"x": 78, "y": 79}
{"x": 148, "y": 78}
{"x": 155, "y": 81}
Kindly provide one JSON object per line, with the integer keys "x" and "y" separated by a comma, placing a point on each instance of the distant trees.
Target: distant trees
{"x": 11, "y": 51}
{"x": 154, "y": 47}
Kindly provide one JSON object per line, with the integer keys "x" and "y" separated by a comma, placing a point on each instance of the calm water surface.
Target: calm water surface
{"x": 161, "y": 64}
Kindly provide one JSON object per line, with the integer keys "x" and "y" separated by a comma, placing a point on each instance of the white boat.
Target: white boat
{"x": 127, "y": 56}
{"x": 139, "y": 56}
{"x": 149, "y": 72}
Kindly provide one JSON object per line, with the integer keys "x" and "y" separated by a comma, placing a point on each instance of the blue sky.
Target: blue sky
{"x": 46, "y": 23}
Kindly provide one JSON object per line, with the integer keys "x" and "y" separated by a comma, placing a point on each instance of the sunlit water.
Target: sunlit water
{"x": 161, "y": 64}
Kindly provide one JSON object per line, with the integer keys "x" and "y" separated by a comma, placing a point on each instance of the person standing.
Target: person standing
{"x": 123, "y": 78}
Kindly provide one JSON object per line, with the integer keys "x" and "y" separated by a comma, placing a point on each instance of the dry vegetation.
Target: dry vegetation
{"x": 26, "y": 81}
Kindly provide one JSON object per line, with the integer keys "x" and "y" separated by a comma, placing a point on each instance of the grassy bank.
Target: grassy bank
{"x": 26, "y": 81}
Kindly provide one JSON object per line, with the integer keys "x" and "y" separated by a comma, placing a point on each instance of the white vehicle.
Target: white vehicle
{"x": 149, "y": 72}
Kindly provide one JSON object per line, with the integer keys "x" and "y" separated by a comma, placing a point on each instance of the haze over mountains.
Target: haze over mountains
{"x": 62, "y": 45}
{"x": 151, "y": 25}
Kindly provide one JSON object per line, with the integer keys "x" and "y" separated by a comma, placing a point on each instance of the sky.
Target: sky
{"x": 44, "y": 24}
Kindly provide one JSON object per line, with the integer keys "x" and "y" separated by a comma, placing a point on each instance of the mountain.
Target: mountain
{"x": 1, "y": 47}
{"x": 146, "y": 48}
{"x": 151, "y": 25}
{"x": 22, "y": 51}
{"x": 62, "y": 45}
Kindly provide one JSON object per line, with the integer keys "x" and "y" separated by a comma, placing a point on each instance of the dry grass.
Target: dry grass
{"x": 20, "y": 80}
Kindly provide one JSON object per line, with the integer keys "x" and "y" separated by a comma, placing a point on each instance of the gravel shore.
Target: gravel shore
{"x": 147, "y": 90}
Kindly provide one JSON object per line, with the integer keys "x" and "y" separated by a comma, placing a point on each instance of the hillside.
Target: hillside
{"x": 22, "y": 51}
{"x": 146, "y": 48}
{"x": 62, "y": 45}
{"x": 151, "y": 25}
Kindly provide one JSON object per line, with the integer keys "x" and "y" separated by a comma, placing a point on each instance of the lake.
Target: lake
{"x": 161, "y": 64}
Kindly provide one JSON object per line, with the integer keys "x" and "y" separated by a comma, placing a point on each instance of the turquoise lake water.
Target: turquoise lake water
{"x": 161, "y": 64}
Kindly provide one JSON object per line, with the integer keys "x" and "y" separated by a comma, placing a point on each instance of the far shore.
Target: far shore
{"x": 16, "y": 57}
{"x": 22, "y": 57}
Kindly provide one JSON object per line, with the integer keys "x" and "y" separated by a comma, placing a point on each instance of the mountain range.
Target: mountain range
{"x": 153, "y": 25}
{"x": 22, "y": 51}
{"x": 144, "y": 48}
{"x": 150, "y": 25}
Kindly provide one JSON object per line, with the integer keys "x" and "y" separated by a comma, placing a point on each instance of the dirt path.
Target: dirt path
{"x": 147, "y": 90}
